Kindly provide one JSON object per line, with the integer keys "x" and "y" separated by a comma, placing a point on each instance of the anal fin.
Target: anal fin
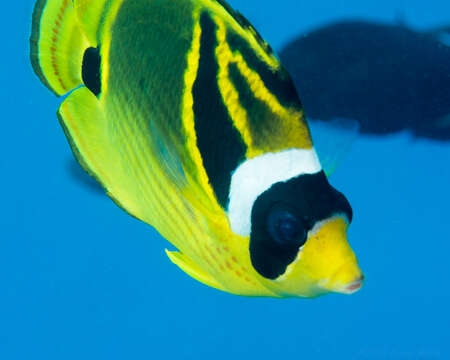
{"x": 192, "y": 269}
{"x": 91, "y": 139}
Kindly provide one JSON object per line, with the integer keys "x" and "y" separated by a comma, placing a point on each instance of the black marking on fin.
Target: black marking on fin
{"x": 310, "y": 198}
{"x": 91, "y": 70}
{"x": 220, "y": 144}
{"x": 279, "y": 83}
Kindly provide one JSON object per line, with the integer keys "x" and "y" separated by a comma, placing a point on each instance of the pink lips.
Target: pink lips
{"x": 354, "y": 286}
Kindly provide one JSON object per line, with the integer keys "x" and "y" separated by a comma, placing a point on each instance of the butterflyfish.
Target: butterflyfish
{"x": 189, "y": 121}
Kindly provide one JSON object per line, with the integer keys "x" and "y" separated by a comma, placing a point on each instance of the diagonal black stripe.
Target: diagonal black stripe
{"x": 279, "y": 83}
{"x": 220, "y": 144}
{"x": 263, "y": 124}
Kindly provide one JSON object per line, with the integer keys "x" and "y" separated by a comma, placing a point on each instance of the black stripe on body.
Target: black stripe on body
{"x": 309, "y": 199}
{"x": 220, "y": 144}
{"x": 262, "y": 122}
{"x": 279, "y": 83}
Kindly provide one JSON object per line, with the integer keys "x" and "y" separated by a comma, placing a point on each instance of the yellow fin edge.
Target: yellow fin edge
{"x": 57, "y": 45}
{"x": 192, "y": 269}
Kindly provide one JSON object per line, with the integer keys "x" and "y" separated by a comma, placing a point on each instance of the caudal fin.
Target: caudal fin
{"x": 57, "y": 45}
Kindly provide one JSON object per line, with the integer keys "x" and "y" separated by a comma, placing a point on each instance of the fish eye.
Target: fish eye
{"x": 285, "y": 228}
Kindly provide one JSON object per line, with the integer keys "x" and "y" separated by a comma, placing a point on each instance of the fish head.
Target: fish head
{"x": 298, "y": 242}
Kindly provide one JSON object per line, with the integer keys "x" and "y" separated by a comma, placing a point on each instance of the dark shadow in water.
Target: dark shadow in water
{"x": 387, "y": 77}
{"x": 81, "y": 177}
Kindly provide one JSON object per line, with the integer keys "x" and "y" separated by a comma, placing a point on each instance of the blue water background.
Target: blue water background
{"x": 80, "y": 279}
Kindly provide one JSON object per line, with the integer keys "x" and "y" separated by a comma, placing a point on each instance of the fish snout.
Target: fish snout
{"x": 347, "y": 279}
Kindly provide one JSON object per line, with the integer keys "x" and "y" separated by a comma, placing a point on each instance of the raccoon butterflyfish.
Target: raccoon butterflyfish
{"x": 188, "y": 120}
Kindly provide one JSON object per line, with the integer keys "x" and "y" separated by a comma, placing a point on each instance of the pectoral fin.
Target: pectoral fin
{"x": 333, "y": 140}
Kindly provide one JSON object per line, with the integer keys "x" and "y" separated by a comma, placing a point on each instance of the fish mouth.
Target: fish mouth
{"x": 351, "y": 288}
{"x": 348, "y": 278}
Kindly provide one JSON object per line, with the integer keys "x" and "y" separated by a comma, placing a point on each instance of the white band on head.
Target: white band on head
{"x": 255, "y": 176}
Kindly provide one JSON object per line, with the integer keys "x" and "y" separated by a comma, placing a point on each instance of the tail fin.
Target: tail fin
{"x": 57, "y": 45}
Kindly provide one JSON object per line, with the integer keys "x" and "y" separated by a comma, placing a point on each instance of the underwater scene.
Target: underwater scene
{"x": 215, "y": 180}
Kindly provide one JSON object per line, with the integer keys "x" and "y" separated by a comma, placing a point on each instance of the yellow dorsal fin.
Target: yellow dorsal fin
{"x": 192, "y": 269}
{"x": 57, "y": 45}
{"x": 89, "y": 14}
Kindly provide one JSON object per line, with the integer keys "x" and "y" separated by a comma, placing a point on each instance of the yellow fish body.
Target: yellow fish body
{"x": 191, "y": 124}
